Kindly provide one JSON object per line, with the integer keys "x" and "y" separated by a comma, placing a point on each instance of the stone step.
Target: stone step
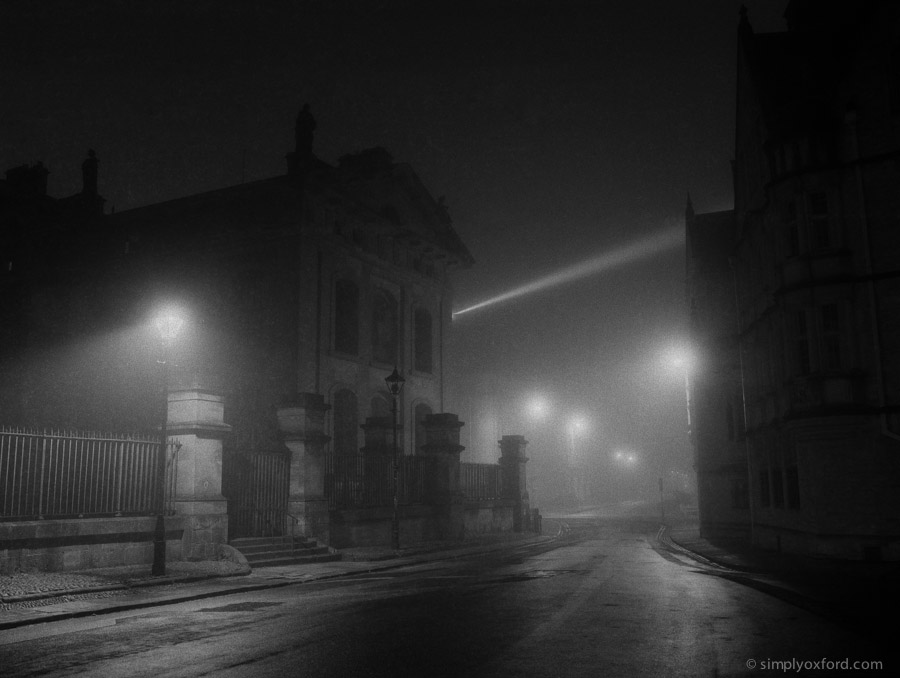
{"x": 295, "y": 560}
{"x": 248, "y": 542}
{"x": 256, "y": 556}
{"x": 274, "y": 551}
{"x": 275, "y": 546}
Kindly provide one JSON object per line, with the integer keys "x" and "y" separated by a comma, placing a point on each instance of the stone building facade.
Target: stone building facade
{"x": 318, "y": 281}
{"x": 814, "y": 254}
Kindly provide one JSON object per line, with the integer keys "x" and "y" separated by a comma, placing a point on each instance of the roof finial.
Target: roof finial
{"x": 744, "y": 24}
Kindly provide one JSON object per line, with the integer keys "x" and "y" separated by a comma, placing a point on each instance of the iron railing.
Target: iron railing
{"x": 259, "y": 496}
{"x": 480, "y": 482}
{"x": 359, "y": 481}
{"x": 77, "y": 474}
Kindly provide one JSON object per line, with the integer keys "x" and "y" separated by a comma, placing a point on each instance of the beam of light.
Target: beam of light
{"x": 660, "y": 241}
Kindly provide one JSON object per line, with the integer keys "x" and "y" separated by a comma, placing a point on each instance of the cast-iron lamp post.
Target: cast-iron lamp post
{"x": 395, "y": 385}
{"x": 168, "y": 324}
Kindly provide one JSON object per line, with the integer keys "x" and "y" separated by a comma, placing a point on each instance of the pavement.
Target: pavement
{"x": 849, "y": 592}
{"x": 39, "y": 597}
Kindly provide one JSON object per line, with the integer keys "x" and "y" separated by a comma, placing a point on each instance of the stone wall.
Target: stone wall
{"x": 83, "y": 543}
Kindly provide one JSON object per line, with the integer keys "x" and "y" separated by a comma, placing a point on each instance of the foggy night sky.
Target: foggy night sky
{"x": 556, "y": 130}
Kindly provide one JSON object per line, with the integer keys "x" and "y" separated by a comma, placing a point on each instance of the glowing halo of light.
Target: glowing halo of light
{"x": 660, "y": 241}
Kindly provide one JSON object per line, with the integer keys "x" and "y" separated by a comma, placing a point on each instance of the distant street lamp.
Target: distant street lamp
{"x": 576, "y": 425}
{"x": 395, "y": 385}
{"x": 537, "y": 408}
{"x": 168, "y": 324}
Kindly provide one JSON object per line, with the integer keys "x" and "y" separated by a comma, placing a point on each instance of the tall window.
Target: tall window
{"x": 422, "y": 324}
{"x": 802, "y": 344}
{"x": 422, "y": 411}
{"x": 819, "y": 227}
{"x": 793, "y": 230}
{"x": 346, "y": 422}
{"x": 777, "y": 487}
{"x": 384, "y": 327}
{"x": 765, "y": 497}
{"x": 831, "y": 337}
{"x": 793, "y": 487}
{"x": 379, "y": 407}
{"x": 346, "y": 317}
{"x": 739, "y": 493}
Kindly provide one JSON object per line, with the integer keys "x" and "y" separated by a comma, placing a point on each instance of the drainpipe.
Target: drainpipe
{"x": 441, "y": 350}
{"x": 737, "y": 306}
{"x": 851, "y": 120}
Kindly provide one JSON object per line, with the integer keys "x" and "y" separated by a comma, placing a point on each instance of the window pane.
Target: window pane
{"x": 346, "y": 317}
{"x": 346, "y": 423}
{"x": 423, "y": 340}
{"x": 384, "y": 328}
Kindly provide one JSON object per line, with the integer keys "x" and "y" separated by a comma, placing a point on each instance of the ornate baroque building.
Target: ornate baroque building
{"x": 321, "y": 280}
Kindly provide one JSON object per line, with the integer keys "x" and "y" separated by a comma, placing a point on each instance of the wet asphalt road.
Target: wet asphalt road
{"x": 603, "y": 600}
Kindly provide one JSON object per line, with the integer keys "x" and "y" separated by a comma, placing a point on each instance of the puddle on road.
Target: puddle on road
{"x": 249, "y": 606}
{"x": 534, "y": 574}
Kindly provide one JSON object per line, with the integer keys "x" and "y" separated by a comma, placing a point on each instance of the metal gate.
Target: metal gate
{"x": 257, "y": 487}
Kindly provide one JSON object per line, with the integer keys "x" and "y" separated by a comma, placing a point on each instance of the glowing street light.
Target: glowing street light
{"x": 577, "y": 425}
{"x": 395, "y": 385}
{"x": 683, "y": 361}
{"x": 625, "y": 458}
{"x": 537, "y": 408}
{"x": 168, "y": 324}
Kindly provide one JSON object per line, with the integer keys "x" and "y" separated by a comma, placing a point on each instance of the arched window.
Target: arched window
{"x": 346, "y": 317}
{"x": 422, "y": 411}
{"x": 346, "y": 422}
{"x": 380, "y": 407}
{"x": 423, "y": 350}
{"x": 384, "y": 328}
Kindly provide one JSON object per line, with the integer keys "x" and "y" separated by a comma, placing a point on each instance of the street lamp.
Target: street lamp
{"x": 682, "y": 361}
{"x": 168, "y": 324}
{"x": 395, "y": 385}
{"x": 537, "y": 408}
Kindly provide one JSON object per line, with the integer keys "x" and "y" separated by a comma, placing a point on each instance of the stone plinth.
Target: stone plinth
{"x": 196, "y": 425}
{"x": 512, "y": 466}
{"x": 302, "y": 425}
{"x": 442, "y": 450}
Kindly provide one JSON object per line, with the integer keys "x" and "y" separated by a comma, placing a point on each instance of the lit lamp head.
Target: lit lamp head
{"x": 168, "y": 324}
{"x": 577, "y": 424}
{"x": 394, "y": 383}
{"x": 537, "y": 408}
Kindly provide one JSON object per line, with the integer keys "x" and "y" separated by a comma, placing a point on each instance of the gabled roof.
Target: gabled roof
{"x": 393, "y": 196}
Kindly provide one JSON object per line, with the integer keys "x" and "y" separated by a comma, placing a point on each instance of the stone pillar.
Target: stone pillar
{"x": 442, "y": 489}
{"x": 512, "y": 467}
{"x": 302, "y": 426}
{"x": 197, "y": 425}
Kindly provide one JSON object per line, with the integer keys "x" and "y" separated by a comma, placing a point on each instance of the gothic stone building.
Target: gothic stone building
{"x": 807, "y": 394}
